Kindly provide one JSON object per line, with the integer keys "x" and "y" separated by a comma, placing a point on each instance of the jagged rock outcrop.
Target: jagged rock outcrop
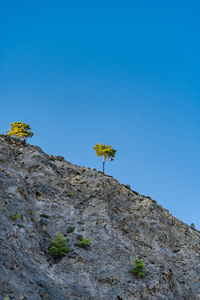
{"x": 50, "y": 194}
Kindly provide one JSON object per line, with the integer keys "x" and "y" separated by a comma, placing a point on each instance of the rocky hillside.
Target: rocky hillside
{"x": 41, "y": 195}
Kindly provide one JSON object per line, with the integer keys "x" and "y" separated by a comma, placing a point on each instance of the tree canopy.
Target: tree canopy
{"x": 20, "y": 130}
{"x": 106, "y": 151}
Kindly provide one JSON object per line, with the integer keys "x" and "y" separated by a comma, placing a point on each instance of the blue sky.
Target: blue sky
{"x": 124, "y": 73}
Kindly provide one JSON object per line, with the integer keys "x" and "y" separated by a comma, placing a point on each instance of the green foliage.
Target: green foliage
{"x": 14, "y": 216}
{"x": 70, "y": 229}
{"x": 58, "y": 247}
{"x": 79, "y": 237}
{"x": 6, "y": 298}
{"x": 60, "y": 158}
{"x": 69, "y": 195}
{"x": 192, "y": 225}
{"x": 139, "y": 269}
{"x": 82, "y": 242}
{"x": 5, "y": 210}
{"x": 124, "y": 229}
{"x": 52, "y": 157}
{"x": 104, "y": 150}
{"x": 20, "y": 225}
{"x": 20, "y": 130}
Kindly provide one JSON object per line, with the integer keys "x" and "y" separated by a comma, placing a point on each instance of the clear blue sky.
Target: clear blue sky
{"x": 124, "y": 73}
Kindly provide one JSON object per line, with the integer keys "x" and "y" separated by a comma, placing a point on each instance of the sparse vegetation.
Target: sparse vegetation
{"x": 79, "y": 237}
{"x": 139, "y": 269}
{"x": 58, "y": 247}
{"x": 82, "y": 242}
{"x": 14, "y": 216}
{"x": 60, "y": 158}
{"x": 70, "y": 229}
{"x": 124, "y": 229}
{"x": 192, "y": 225}
{"x": 106, "y": 151}
{"x": 5, "y": 210}
{"x": 6, "y": 298}
{"x": 20, "y": 131}
{"x": 69, "y": 194}
{"x": 20, "y": 225}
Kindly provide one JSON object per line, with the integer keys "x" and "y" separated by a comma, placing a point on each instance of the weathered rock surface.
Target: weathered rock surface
{"x": 49, "y": 195}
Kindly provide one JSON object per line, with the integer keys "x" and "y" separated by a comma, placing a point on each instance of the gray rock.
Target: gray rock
{"x": 37, "y": 186}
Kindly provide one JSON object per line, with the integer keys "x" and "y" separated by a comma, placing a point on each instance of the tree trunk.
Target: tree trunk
{"x": 104, "y": 160}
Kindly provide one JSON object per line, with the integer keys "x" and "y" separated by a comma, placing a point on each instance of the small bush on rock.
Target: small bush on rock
{"x": 5, "y": 210}
{"x": 58, "y": 247}
{"x": 21, "y": 226}
{"x": 79, "y": 237}
{"x": 82, "y": 242}
{"x": 52, "y": 157}
{"x": 14, "y": 216}
{"x": 139, "y": 269}
{"x": 60, "y": 158}
{"x": 70, "y": 229}
{"x": 124, "y": 229}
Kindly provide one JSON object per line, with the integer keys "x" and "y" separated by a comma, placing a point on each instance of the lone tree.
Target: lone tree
{"x": 58, "y": 247}
{"x": 20, "y": 130}
{"x": 106, "y": 151}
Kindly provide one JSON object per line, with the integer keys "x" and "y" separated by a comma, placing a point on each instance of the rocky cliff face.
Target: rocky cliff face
{"x": 49, "y": 195}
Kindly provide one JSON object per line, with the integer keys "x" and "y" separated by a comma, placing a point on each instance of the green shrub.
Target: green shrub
{"x": 14, "y": 216}
{"x": 5, "y": 210}
{"x": 21, "y": 226}
{"x": 60, "y": 158}
{"x": 124, "y": 229}
{"x": 70, "y": 229}
{"x": 58, "y": 247}
{"x": 192, "y": 225}
{"x": 6, "y": 298}
{"x": 139, "y": 269}
{"x": 69, "y": 195}
{"x": 52, "y": 157}
{"x": 82, "y": 242}
{"x": 79, "y": 237}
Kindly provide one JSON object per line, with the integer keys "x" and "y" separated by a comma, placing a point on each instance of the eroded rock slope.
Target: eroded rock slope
{"x": 49, "y": 195}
